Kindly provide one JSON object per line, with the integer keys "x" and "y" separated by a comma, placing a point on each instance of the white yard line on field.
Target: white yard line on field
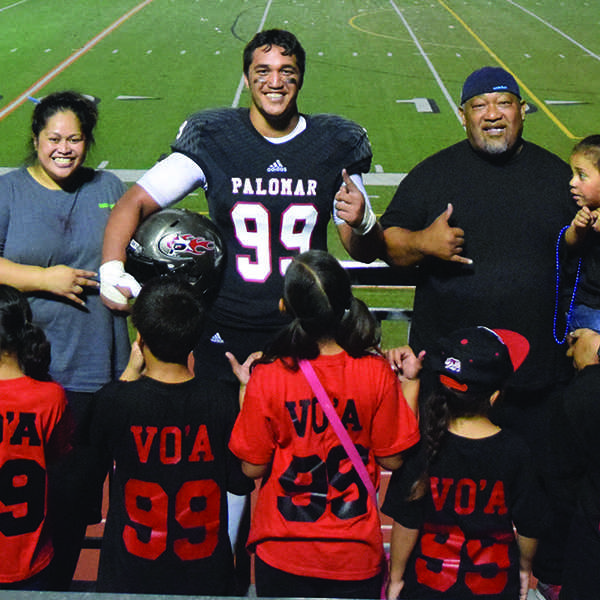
{"x": 435, "y": 74}
{"x": 541, "y": 105}
{"x": 238, "y": 93}
{"x": 567, "y": 37}
{"x": 524, "y": 88}
{"x": 66, "y": 63}
{"x": 12, "y": 5}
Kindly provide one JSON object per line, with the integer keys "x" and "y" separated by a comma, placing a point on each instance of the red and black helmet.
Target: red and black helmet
{"x": 177, "y": 242}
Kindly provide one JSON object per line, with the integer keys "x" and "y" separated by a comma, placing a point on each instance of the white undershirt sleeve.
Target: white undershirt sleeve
{"x": 171, "y": 179}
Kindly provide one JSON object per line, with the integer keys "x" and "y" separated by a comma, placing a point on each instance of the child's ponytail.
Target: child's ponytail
{"x": 358, "y": 331}
{"x": 442, "y": 407}
{"x": 34, "y": 352}
{"x": 436, "y": 417}
{"x": 19, "y": 337}
{"x": 317, "y": 295}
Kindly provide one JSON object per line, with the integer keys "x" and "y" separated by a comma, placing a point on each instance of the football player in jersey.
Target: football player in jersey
{"x": 272, "y": 177}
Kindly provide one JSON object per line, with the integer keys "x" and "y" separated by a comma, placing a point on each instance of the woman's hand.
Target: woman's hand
{"x": 67, "y": 282}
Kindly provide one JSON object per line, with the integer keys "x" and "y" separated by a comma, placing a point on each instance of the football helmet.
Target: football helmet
{"x": 176, "y": 242}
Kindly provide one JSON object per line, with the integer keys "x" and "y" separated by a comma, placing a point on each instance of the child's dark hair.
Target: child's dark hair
{"x": 590, "y": 148}
{"x": 441, "y": 407}
{"x": 169, "y": 318}
{"x": 276, "y": 37}
{"x": 318, "y": 297}
{"x": 19, "y": 337}
{"x": 84, "y": 109}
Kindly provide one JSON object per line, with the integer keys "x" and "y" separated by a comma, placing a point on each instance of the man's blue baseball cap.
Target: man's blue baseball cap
{"x": 487, "y": 80}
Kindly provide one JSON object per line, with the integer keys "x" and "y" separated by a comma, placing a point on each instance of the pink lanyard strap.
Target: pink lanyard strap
{"x": 339, "y": 429}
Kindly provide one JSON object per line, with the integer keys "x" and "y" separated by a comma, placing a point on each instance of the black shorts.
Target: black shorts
{"x": 209, "y": 355}
{"x": 273, "y": 583}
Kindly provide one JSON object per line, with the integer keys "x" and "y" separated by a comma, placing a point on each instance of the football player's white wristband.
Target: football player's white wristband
{"x": 112, "y": 273}
{"x": 368, "y": 221}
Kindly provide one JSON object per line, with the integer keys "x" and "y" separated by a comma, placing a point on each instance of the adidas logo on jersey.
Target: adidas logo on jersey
{"x": 276, "y": 167}
{"x": 217, "y": 339}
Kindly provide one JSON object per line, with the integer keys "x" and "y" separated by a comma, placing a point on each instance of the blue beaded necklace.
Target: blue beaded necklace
{"x": 556, "y": 303}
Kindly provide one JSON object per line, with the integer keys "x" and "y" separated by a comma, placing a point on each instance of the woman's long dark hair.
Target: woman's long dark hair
{"x": 318, "y": 297}
{"x": 18, "y": 336}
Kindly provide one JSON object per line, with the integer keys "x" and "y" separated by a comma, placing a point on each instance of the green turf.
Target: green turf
{"x": 361, "y": 59}
{"x": 365, "y": 60}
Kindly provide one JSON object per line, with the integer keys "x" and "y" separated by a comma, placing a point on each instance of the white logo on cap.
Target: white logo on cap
{"x": 453, "y": 364}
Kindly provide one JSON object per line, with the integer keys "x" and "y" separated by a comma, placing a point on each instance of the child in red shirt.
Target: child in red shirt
{"x": 35, "y": 430}
{"x": 315, "y": 530}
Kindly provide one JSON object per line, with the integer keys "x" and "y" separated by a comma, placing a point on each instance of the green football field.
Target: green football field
{"x": 395, "y": 66}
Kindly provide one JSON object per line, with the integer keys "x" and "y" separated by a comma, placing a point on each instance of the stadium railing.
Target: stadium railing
{"x": 380, "y": 275}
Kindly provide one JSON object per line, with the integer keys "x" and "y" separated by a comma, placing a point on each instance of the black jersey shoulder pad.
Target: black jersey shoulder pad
{"x": 212, "y": 119}
{"x": 345, "y": 130}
